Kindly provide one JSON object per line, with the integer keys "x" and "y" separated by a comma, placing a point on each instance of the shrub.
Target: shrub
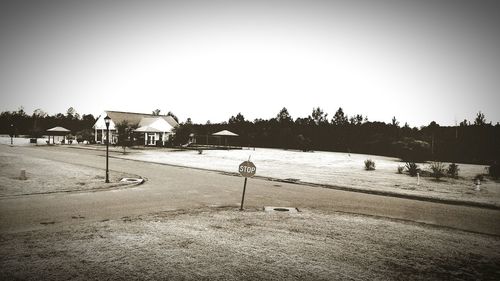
{"x": 400, "y": 169}
{"x": 494, "y": 170}
{"x": 438, "y": 170}
{"x": 369, "y": 165}
{"x": 125, "y": 134}
{"x": 479, "y": 177}
{"x": 452, "y": 170}
{"x": 412, "y": 150}
{"x": 412, "y": 168}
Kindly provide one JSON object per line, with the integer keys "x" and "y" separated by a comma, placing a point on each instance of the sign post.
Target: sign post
{"x": 243, "y": 197}
{"x": 246, "y": 169}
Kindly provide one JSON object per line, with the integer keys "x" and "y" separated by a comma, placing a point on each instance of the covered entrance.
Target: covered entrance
{"x": 60, "y": 132}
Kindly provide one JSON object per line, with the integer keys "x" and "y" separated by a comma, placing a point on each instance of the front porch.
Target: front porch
{"x": 156, "y": 138}
{"x": 100, "y": 136}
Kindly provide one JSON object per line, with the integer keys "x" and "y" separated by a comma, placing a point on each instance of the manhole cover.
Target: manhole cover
{"x": 132, "y": 180}
{"x": 281, "y": 209}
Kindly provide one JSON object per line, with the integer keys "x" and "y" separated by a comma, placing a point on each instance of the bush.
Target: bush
{"x": 125, "y": 132}
{"x": 412, "y": 168}
{"x": 494, "y": 170}
{"x": 437, "y": 170}
{"x": 452, "y": 170}
{"x": 401, "y": 169}
{"x": 479, "y": 177}
{"x": 369, "y": 165}
{"x": 412, "y": 150}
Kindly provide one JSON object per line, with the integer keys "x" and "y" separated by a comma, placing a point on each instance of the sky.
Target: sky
{"x": 420, "y": 61}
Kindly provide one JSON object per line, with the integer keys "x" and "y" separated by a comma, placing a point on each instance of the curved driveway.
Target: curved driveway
{"x": 169, "y": 188}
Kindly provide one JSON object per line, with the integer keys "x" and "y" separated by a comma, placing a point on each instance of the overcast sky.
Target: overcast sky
{"x": 419, "y": 60}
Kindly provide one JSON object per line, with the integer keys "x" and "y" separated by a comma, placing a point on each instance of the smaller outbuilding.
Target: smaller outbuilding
{"x": 223, "y": 135}
{"x": 59, "y": 132}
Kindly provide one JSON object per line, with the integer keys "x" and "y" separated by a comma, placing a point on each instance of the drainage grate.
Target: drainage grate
{"x": 132, "y": 180}
{"x": 281, "y": 209}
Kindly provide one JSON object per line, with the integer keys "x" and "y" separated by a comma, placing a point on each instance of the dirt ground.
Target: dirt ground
{"x": 222, "y": 243}
{"x": 46, "y": 176}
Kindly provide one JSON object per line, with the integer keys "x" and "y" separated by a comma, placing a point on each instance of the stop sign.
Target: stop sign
{"x": 247, "y": 169}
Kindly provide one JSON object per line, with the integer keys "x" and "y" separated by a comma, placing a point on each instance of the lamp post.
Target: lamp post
{"x": 106, "y": 120}
{"x": 11, "y": 133}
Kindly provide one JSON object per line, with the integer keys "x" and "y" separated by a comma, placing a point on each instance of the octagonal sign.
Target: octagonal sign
{"x": 247, "y": 169}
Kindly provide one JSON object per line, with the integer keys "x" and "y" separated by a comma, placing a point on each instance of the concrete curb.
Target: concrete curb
{"x": 112, "y": 186}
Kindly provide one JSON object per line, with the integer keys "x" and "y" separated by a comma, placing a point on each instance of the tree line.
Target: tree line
{"x": 475, "y": 141}
{"x": 470, "y": 142}
{"x": 34, "y": 125}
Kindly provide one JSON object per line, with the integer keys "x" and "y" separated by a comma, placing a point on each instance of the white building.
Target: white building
{"x": 153, "y": 128}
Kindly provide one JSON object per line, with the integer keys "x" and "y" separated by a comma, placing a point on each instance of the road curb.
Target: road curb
{"x": 336, "y": 187}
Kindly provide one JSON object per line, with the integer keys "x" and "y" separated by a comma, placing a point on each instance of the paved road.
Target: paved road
{"x": 169, "y": 188}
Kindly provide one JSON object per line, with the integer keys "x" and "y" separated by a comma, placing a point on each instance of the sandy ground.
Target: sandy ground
{"x": 334, "y": 169}
{"x": 225, "y": 244}
{"x": 220, "y": 242}
{"x": 46, "y": 176}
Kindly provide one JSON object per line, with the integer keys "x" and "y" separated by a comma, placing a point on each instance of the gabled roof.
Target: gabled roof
{"x": 148, "y": 129}
{"x": 58, "y": 129}
{"x": 225, "y": 133}
{"x": 155, "y": 124}
{"x": 147, "y": 121}
{"x": 135, "y": 118}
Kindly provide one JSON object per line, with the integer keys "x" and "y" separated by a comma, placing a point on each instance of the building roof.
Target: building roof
{"x": 58, "y": 130}
{"x": 135, "y": 118}
{"x": 148, "y": 129}
{"x": 155, "y": 124}
{"x": 225, "y": 133}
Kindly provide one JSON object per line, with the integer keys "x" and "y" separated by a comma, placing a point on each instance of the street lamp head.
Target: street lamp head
{"x": 107, "y": 119}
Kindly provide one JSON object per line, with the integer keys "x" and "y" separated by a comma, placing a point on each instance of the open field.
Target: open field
{"x": 334, "y": 169}
{"x": 225, "y": 244}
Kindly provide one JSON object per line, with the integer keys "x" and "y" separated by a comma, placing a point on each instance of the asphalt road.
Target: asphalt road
{"x": 171, "y": 188}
